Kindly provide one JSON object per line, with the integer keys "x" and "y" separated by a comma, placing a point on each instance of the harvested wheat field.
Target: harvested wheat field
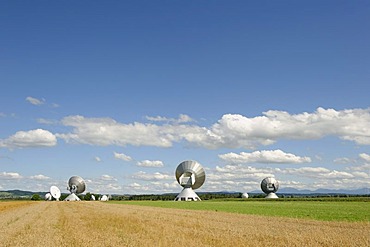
{"x": 103, "y": 224}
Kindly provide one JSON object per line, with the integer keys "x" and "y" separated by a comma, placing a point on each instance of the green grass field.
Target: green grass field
{"x": 326, "y": 210}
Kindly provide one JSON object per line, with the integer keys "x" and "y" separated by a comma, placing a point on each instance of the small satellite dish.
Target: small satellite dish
{"x": 245, "y": 195}
{"x": 55, "y": 192}
{"x": 104, "y": 198}
{"x": 92, "y": 198}
{"x": 190, "y": 175}
{"x": 76, "y": 185}
{"x": 48, "y": 197}
{"x": 269, "y": 186}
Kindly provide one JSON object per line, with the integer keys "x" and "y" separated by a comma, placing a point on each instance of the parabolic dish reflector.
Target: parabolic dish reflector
{"x": 269, "y": 185}
{"x": 55, "y": 192}
{"x": 195, "y": 169}
{"x": 245, "y": 195}
{"x": 48, "y": 197}
{"x": 76, "y": 185}
{"x": 104, "y": 198}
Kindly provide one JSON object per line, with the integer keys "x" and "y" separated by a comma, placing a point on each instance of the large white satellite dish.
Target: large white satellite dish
{"x": 190, "y": 175}
{"x": 270, "y": 185}
{"x": 76, "y": 185}
{"x": 55, "y": 192}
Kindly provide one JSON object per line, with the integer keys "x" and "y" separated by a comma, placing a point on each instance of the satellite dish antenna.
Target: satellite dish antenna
{"x": 55, "y": 192}
{"x": 76, "y": 185}
{"x": 245, "y": 195}
{"x": 104, "y": 198}
{"x": 270, "y": 185}
{"x": 190, "y": 175}
{"x": 48, "y": 197}
{"x": 92, "y": 198}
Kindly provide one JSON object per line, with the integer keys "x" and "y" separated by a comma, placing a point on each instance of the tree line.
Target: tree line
{"x": 203, "y": 196}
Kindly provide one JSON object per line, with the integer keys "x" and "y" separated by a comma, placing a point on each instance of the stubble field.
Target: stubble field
{"x": 107, "y": 224}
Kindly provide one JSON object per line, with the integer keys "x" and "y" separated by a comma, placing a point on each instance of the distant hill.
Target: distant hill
{"x": 13, "y": 194}
{"x": 9, "y": 194}
{"x": 289, "y": 190}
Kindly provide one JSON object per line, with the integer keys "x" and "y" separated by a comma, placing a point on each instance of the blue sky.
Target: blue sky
{"x": 121, "y": 92}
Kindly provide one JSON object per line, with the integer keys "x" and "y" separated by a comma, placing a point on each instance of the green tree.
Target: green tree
{"x": 36, "y": 197}
{"x": 87, "y": 197}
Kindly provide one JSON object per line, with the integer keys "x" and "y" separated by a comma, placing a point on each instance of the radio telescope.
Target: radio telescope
{"x": 55, "y": 192}
{"x": 48, "y": 197}
{"x": 104, "y": 198}
{"x": 190, "y": 175}
{"x": 270, "y": 185}
{"x": 76, "y": 185}
{"x": 245, "y": 195}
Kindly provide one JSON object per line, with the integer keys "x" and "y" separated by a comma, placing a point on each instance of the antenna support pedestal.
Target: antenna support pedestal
{"x": 271, "y": 196}
{"x": 187, "y": 194}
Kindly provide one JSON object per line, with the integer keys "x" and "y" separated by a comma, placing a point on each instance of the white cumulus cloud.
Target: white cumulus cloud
{"x": 106, "y": 131}
{"x": 183, "y": 118}
{"x": 31, "y": 138}
{"x": 10, "y": 175}
{"x": 40, "y": 177}
{"x": 343, "y": 160}
{"x": 364, "y": 165}
{"x": 151, "y": 177}
{"x": 365, "y": 157}
{"x": 238, "y": 177}
{"x": 46, "y": 121}
{"x": 264, "y": 156}
{"x": 150, "y": 163}
{"x": 122, "y": 156}
{"x": 318, "y": 172}
{"x": 239, "y": 131}
{"x": 35, "y": 101}
{"x": 104, "y": 184}
{"x": 106, "y": 177}
{"x": 231, "y": 131}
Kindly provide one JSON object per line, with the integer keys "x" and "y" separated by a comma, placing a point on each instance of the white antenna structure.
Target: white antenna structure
{"x": 190, "y": 175}
{"x": 55, "y": 192}
{"x": 48, "y": 197}
{"x": 76, "y": 185}
{"x": 270, "y": 185}
{"x": 245, "y": 195}
{"x": 104, "y": 198}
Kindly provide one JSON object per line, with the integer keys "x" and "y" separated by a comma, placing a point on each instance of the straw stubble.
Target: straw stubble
{"x": 103, "y": 224}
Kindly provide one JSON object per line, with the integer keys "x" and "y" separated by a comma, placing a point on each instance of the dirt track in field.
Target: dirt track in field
{"x": 103, "y": 224}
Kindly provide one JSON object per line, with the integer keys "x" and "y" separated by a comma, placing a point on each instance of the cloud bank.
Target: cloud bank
{"x": 231, "y": 131}
{"x": 183, "y": 118}
{"x": 157, "y": 176}
{"x": 264, "y": 156}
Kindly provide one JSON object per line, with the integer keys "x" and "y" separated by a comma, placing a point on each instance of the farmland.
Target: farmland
{"x": 342, "y": 209}
{"x": 89, "y": 223}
